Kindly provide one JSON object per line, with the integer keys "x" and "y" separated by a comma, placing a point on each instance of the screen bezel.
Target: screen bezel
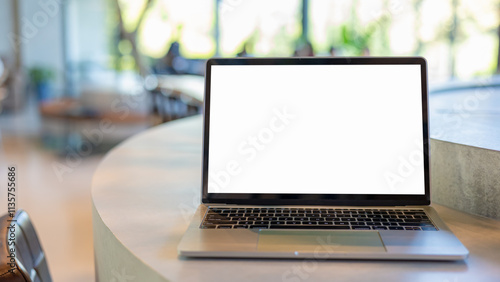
{"x": 317, "y": 199}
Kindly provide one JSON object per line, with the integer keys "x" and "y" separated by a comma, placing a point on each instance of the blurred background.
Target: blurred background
{"x": 78, "y": 77}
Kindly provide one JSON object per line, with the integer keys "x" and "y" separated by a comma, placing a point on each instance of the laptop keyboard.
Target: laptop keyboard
{"x": 317, "y": 218}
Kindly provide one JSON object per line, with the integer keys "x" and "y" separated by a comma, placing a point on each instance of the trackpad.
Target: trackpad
{"x": 319, "y": 241}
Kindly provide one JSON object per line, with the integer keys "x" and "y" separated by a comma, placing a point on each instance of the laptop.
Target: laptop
{"x": 318, "y": 158}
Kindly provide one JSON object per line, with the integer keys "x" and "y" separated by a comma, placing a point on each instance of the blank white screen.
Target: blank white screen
{"x": 316, "y": 129}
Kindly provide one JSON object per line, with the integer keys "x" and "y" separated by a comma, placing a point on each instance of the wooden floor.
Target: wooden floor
{"x": 60, "y": 206}
{"x": 60, "y": 210}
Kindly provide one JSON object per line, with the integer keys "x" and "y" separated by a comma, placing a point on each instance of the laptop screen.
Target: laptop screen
{"x": 326, "y": 129}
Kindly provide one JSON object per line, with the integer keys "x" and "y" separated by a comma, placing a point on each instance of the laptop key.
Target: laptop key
{"x": 341, "y": 223}
{"x": 222, "y": 222}
{"x": 415, "y": 224}
{"x": 274, "y": 222}
{"x": 396, "y": 228}
{"x": 261, "y": 222}
{"x": 413, "y": 220}
{"x": 364, "y": 219}
{"x": 313, "y": 223}
{"x": 325, "y": 223}
{"x": 224, "y": 226}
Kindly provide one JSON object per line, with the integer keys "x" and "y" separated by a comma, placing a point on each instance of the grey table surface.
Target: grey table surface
{"x": 469, "y": 116}
{"x": 146, "y": 190}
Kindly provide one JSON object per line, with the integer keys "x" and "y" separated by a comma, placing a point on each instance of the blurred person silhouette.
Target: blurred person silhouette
{"x": 304, "y": 50}
{"x": 244, "y": 51}
{"x": 333, "y": 51}
{"x": 172, "y": 62}
{"x": 366, "y": 52}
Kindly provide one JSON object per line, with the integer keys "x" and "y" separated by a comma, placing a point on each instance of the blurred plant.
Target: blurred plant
{"x": 357, "y": 40}
{"x": 41, "y": 78}
{"x": 126, "y": 47}
{"x": 41, "y": 75}
{"x": 248, "y": 46}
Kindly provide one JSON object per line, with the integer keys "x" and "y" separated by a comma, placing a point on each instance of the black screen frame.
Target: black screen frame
{"x": 317, "y": 199}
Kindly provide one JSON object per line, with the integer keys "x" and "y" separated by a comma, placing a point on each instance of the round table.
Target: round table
{"x": 146, "y": 190}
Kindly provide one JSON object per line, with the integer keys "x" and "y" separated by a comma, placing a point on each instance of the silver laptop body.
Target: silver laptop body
{"x": 323, "y": 139}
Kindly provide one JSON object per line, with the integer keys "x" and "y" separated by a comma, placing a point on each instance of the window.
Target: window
{"x": 261, "y": 28}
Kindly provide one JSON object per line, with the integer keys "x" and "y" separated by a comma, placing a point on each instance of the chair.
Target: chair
{"x": 27, "y": 263}
{"x": 4, "y": 75}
